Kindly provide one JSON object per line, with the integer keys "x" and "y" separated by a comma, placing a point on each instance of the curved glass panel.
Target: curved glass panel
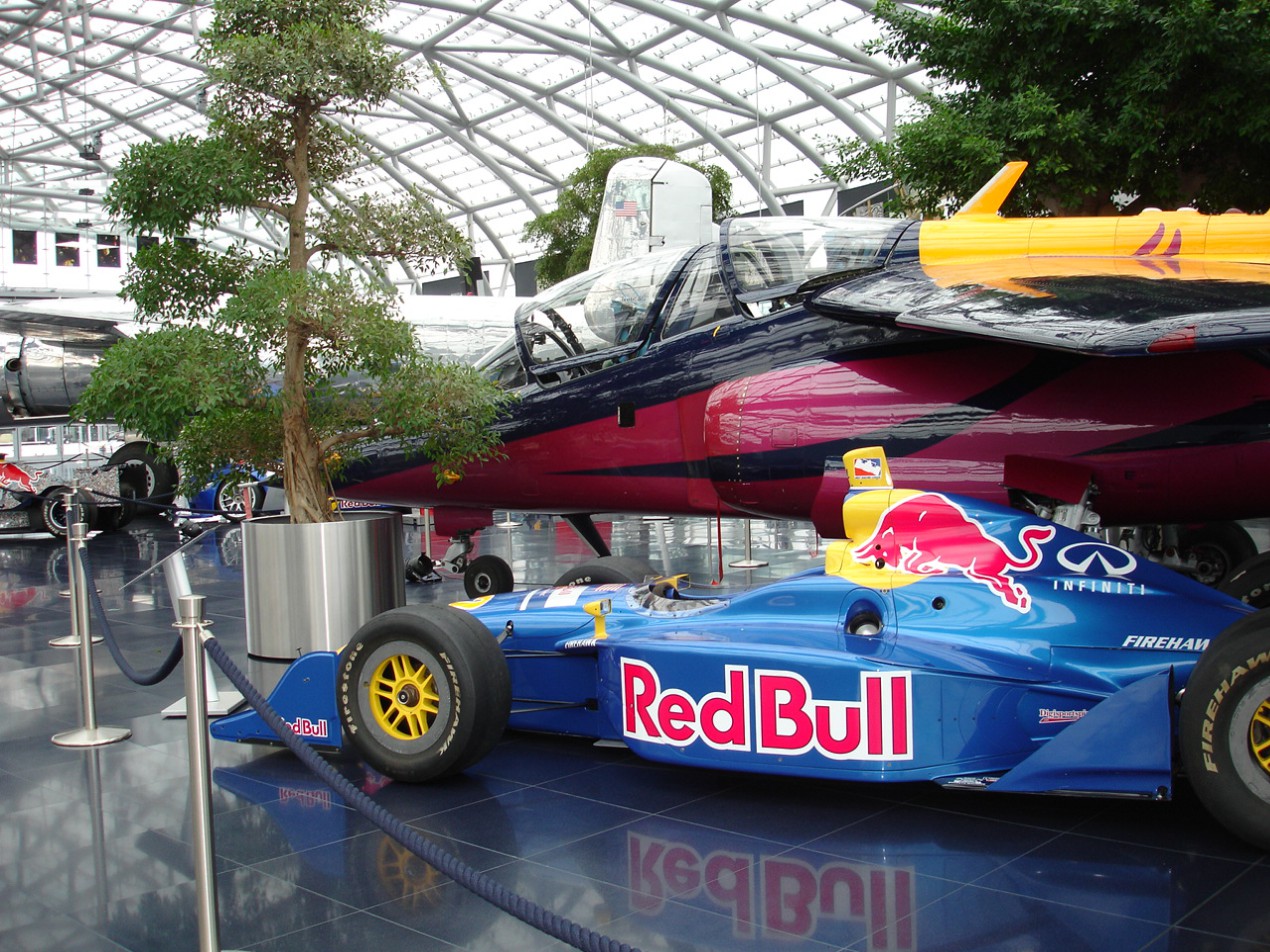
{"x": 765, "y": 260}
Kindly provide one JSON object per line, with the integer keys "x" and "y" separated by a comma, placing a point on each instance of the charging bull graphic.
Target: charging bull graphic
{"x": 15, "y": 479}
{"x": 929, "y": 534}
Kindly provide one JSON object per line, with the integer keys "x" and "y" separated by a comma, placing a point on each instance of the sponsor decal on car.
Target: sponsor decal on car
{"x": 923, "y": 534}
{"x": 1164, "y": 643}
{"x": 1103, "y": 569}
{"x": 1053, "y": 715}
{"x": 772, "y": 712}
{"x": 304, "y": 727}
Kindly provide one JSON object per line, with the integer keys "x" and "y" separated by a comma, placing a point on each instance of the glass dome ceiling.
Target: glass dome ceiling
{"x": 512, "y": 95}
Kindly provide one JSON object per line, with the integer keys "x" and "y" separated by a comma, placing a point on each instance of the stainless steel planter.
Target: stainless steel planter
{"x": 310, "y": 587}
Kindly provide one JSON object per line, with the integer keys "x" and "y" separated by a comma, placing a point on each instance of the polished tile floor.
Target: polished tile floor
{"x": 95, "y": 844}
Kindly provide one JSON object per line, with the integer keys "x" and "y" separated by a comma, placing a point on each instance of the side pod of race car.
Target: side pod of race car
{"x": 945, "y": 639}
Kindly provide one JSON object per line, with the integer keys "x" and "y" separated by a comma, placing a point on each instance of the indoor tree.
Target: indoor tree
{"x": 1156, "y": 102}
{"x": 283, "y": 361}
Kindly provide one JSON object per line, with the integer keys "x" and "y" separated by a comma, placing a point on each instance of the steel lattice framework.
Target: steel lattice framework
{"x": 512, "y": 95}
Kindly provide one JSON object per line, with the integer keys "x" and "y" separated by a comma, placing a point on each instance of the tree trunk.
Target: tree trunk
{"x": 303, "y": 469}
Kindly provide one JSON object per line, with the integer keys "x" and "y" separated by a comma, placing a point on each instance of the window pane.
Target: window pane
{"x": 67, "y": 249}
{"x": 108, "y": 251}
{"x": 24, "y": 247}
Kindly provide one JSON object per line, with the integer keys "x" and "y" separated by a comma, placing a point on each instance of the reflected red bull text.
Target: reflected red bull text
{"x": 775, "y": 897}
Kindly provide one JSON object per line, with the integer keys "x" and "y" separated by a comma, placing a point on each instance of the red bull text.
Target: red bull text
{"x": 772, "y": 712}
{"x": 929, "y": 534}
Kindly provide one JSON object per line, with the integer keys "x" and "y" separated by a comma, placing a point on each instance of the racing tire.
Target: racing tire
{"x": 611, "y": 569}
{"x": 229, "y": 498}
{"x": 1218, "y": 547}
{"x": 1224, "y": 729}
{"x": 1250, "y": 582}
{"x": 487, "y": 575}
{"x": 54, "y": 515}
{"x": 423, "y": 692}
{"x": 140, "y": 466}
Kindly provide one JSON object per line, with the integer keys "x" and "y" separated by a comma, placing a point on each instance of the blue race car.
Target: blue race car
{"x": 945, "y": 639}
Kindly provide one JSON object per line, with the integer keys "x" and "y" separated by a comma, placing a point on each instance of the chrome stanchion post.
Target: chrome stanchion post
{"x": 190, "y": 608}
{"x": 90, "y": 735}
{"x": 749, "y": 562}
{"x": 72, "y": 640}
{"x": 218, "y": 703}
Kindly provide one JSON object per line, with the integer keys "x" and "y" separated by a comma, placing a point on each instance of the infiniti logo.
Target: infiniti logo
{"x": 1097, "y": 560}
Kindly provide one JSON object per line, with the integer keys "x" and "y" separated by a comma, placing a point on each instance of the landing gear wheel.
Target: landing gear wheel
{"x": 607, "y": 570}
{"x": 1217, "y": 548}
{"x": 53, "y": 511}
{"x": 1250, "y": 582}
{"x": 423, "y": 692}
{"x": 1224, "y": 729}
{"x": 487, "y": 575}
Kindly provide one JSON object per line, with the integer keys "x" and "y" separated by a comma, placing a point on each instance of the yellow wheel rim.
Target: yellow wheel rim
{"x": 1259, "y": 735}
{"x": 404, "y": 699}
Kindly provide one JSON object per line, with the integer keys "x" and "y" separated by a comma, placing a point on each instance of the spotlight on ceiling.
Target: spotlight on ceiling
{"x": 91, "y": 149}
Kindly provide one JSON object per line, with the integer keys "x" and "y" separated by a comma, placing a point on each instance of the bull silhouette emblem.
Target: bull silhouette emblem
{"x": 929, "y": 534}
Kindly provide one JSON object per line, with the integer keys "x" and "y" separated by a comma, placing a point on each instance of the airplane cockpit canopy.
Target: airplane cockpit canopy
{"x": 597, "y": 315}
{"x": 767, "y": 259}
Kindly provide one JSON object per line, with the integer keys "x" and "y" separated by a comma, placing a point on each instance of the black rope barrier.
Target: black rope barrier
{"x": 159, "y": 674}
{"x": 527, "y": 911}
{"x": 482, "y": 885}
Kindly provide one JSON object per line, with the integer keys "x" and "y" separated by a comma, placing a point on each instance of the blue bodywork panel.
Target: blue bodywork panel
{"x": 304, "y": 697}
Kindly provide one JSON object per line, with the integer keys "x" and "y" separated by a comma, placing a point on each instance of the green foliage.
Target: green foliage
{"x": 409, "y": 229}
{"x": 567, "y": 233}
{"x": 165, "y": 187}
{"x": 159, "y": 381}
{"x": 1154, "y": 98}
{"x": 258, "y": 361}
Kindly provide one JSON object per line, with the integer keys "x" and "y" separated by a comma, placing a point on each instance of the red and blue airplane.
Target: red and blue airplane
{"x": 1087, "y": 369}
{"x": 1084, "y": 368}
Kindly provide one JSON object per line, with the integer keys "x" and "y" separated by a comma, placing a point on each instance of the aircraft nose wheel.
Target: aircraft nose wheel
{"x": 487, "y": 575}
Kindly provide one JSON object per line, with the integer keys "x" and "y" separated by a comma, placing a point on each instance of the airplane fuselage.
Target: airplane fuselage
{"x": 741, "y": 418}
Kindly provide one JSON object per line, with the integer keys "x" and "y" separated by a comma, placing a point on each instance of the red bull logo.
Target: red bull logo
{"x": 772, "y": 712}
{"x": 303, "y": 727}
{"x": 15, "y": 479}
{"x": 926, "y": 534}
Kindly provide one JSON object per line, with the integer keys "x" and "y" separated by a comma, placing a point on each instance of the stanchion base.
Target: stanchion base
{"x": 229, "y": 702}
{"x": 747, "y": 564}
{"x": 71, "y": 641}
{"x": 91, "y": 737}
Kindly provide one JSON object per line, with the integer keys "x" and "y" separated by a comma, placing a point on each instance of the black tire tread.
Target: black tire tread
{"x": 1236, "y": 661}
{"x": 478, "y": 665}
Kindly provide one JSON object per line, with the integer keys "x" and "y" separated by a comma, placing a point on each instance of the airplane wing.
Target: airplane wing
{"x": 102, "y": 320}
{"x": 1115, "y": 306}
